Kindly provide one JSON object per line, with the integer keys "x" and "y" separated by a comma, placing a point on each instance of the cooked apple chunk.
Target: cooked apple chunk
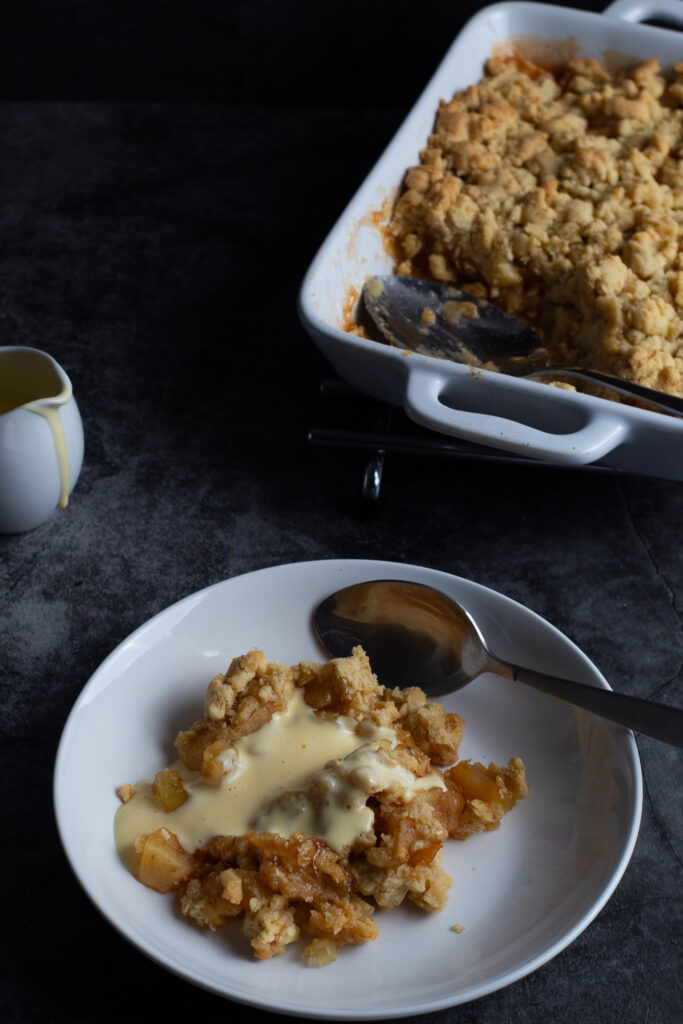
{"x": 488, "y": 792}
{"x": 168, "y": 790}
{"x": 218, "y": 760}
{"x": 163, "y": 863}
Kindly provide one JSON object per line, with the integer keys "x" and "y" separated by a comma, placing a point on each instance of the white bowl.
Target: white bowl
{"x": 523, "y": 893}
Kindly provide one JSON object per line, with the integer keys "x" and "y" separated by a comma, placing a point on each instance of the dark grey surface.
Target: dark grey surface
{"x": 155, "y": 250}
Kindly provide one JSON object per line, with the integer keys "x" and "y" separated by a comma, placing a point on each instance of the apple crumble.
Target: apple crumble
{"x": 306, "y": 797}
{"x": 559, "y": 198}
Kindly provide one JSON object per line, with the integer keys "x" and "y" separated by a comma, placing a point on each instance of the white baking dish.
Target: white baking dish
{"x": 519, "y": 416}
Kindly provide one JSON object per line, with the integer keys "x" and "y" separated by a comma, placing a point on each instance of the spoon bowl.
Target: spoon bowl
{"x": 417, "y": 636}
{"x": 412, "y": 634}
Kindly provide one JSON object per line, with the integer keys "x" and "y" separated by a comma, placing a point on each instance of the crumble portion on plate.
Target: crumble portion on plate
{"x": 560, "y": 199}
{"x": 318, "y": 841}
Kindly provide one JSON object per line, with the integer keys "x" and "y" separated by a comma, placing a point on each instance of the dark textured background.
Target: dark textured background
{"x": 167, "y": 171}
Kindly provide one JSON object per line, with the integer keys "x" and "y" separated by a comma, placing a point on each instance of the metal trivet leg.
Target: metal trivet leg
{"x": 362, "y": 411}
{"x": 372, "y": 477}
{"x": 374, "y": 468}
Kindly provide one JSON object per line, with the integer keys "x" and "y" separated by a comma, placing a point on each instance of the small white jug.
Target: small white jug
{"x": 41, "y": 438}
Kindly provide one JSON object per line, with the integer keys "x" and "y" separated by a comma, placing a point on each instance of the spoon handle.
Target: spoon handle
{"x": 657, "y": 720}
{"x": 658, "y": 399}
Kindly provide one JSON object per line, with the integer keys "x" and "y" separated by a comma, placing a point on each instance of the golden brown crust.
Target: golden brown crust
{"x": 237, "y": 703}
{"x": 283, "y": 887}
{"x": 560, "y": 199}
{"x": 437, "y": 732}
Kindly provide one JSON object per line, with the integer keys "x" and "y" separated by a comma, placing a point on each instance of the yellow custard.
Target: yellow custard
{"x": 297, "y": 773}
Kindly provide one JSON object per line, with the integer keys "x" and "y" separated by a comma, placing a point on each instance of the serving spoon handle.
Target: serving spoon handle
{"x": 412, "y": 632}
{"x": 660, "y": 721}
{"x": 657, "y": 399}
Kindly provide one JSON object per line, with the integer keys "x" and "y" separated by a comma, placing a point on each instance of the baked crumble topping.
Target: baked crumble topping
{"x": 287, "y": 884}
{"x": 560, "y": 199}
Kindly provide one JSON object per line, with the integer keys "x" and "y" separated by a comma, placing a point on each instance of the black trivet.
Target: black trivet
{"x": 351, "y": 419}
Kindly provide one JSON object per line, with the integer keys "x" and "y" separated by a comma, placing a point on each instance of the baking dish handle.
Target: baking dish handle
{"x": 423, "y": 403}
{"x": 641, "y": 10}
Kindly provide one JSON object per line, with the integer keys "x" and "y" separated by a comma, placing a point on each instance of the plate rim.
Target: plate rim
{"x": 496, "y": 983}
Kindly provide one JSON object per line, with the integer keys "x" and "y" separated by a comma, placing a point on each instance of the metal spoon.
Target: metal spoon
{"x": 417, "y": 636}
{"x": 465, "y": 329}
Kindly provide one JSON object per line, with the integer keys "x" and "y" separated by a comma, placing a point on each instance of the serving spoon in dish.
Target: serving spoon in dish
{"x": 440, "y": 320}
{"x": 417, "y": 636}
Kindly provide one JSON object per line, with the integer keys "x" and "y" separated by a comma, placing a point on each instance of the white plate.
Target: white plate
{"x": 523, "y": 893}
